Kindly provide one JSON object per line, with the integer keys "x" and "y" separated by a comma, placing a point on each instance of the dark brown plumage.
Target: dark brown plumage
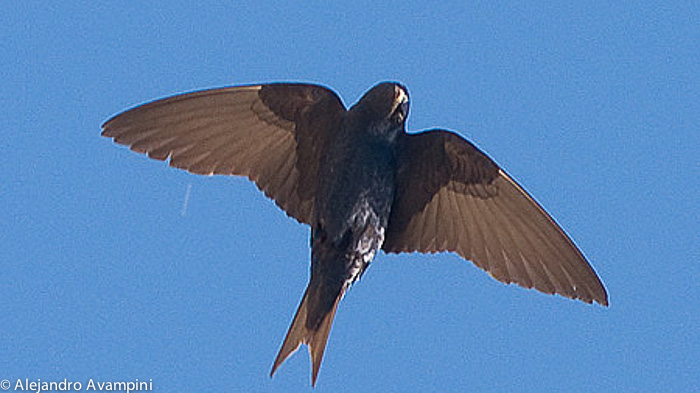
{"x": 362, "y": 183}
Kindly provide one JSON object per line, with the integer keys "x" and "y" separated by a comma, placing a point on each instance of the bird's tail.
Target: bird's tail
{"x": 300, "y": 333}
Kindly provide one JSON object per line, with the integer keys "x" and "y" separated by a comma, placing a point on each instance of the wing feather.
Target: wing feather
{"x": 273, "y": 134}
{"x": 452, "y": 197}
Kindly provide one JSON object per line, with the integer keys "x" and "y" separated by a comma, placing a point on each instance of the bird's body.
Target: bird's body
{"x": 362, "y": 184}
{"x": 352, "y": 207}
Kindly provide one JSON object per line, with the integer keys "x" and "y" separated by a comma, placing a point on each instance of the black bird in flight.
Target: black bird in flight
{"x": 362, "y": 184}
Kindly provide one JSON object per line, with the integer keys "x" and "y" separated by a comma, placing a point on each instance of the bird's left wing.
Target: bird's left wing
{"x": 451, "y": 197}
{"x": 271, "y": 133}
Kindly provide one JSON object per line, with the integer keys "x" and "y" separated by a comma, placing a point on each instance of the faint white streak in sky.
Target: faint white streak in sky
{"x": 186, "y": 201}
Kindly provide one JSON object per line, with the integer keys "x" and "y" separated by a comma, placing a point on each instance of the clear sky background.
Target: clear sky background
{"x": 116, "y": 267}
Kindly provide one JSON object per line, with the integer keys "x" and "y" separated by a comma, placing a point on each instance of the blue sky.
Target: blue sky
{"x": 116, "y": 267}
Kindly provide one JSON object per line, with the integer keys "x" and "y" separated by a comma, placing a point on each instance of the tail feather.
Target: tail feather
{"x": 299, "y": 333}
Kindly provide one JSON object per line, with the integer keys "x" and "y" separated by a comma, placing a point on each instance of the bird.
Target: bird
{"x": 362, "y": 183}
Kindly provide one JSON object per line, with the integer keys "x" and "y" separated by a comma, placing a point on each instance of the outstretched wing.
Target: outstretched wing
{"x": 272, "y": 133}
{"x": 451, "y": 197}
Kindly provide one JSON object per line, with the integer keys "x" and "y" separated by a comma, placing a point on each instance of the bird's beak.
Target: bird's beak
{"x": 400, "y": 102}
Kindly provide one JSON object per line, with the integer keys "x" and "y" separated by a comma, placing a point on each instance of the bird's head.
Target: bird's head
{"x": 386, "y": 102}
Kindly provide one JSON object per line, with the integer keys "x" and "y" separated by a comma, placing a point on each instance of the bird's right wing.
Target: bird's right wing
{"x": 271, "y": 133}
{"x": 452, "y": 197}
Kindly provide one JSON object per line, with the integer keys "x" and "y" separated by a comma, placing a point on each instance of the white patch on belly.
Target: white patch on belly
{"x": 368, "y": 237}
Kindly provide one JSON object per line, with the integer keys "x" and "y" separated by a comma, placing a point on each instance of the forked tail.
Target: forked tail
{"x": 315, "y": 338}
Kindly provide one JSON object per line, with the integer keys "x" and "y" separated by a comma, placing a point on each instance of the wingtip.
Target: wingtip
{"x": 105, "y": 130}
{"x": 598, "y": 293}
{"x": 603, "y": 301}
{"x": 600, "y": 299}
